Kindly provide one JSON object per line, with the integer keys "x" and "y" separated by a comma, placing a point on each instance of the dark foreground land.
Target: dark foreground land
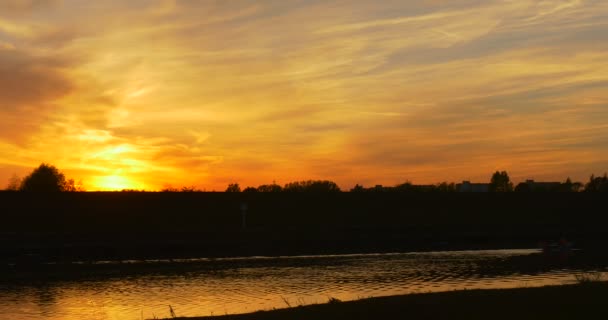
{"x": 586, "y": 301}
{"x": 130, "y": 225}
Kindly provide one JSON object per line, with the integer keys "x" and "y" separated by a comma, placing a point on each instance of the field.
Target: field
{"x": 133, "y": 225}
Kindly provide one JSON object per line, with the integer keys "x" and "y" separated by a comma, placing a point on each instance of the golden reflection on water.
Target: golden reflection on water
{"x": 242, "y": 286}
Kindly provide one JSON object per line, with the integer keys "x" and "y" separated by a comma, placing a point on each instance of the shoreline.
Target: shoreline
{"x": 132, "y": 226}
{"x": 577, "y": 301}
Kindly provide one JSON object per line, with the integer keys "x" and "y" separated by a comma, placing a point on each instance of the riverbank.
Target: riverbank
{"x": 69, "y": 227}
{"x": 582, "y": 301}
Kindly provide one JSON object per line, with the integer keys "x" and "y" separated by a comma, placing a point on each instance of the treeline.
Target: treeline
{"x": 499, "y": 182}
{"x": 597, "y": 184}
{"x": 47, "y": 178}
{"x": 298, "y": 186}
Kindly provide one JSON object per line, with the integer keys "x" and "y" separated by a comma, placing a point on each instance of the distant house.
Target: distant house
{"x": 467, "y": 186}
{"x": 531, "y": 185}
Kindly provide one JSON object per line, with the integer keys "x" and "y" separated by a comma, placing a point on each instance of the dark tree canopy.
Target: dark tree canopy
{"x": 446, "y": 187}
{"x": 270, "y": 188}
{"x": 404, "y": 187}
{"x": 569, "y": 186}
{"x": 597, "y": 184}
{"x": 233, "y": 187}
{"x": 312, "y": 186}
{"x": 357, "y": 188}
{"x": 531, "y": 186}
{"x": 47, "y": 178}
{"x": 408, "y": 187}
{"x": 250, "y": 190}
{"x": 500, "y": 182}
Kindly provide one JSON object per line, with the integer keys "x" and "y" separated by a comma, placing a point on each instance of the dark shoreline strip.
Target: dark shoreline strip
{"x": 585, "y": 301}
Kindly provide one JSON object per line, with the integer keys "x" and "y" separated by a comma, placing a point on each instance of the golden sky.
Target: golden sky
{"x": 143, "y": 93}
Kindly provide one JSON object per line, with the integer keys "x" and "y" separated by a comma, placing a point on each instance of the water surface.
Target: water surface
{"x": 145, "y": 289}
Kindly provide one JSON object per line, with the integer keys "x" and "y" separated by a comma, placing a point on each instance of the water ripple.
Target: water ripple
{"x": 219, "y": 286}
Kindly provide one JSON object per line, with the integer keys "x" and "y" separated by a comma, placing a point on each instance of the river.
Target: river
{"x": 132, "y": 290}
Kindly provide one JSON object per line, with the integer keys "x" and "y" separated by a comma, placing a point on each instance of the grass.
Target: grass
{"x": 333, "y": 300}
{"x": 172, "y": 312}
{"x": 551, "y": 302}
{"x": 286, "y": 302}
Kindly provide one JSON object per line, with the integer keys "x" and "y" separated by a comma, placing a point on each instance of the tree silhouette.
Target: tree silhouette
{"x": 233, "y": 187}
{"x": 72, "y": 186}
{"x": 250, "y": 189}
{"x": 570, "y": 186}
{"x": 47, "y": 178}
{"x": 446, "y": 187}
{"x": 597, "y": 184}
{"x": 577, "y": 187}
{"x": 500, "y": 182}
{"x": 270, "y": 188}
{"x": 312, "y": 186}
{"x": 404, "y": 187}
{"x": 357, "y": 188}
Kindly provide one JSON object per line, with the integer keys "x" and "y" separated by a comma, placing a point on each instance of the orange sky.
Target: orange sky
{"x": 143, "y": 93}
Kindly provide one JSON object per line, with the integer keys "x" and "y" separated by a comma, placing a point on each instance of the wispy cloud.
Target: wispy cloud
{"x": 26, "y": 6}
{"x": 205, "y": 92}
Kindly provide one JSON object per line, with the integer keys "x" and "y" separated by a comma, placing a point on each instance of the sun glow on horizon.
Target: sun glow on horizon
{"x": 115, "y": 183}
{"x": 139, "y": 94}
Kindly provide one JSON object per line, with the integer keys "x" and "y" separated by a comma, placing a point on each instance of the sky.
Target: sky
{"x": 143, "y": 94}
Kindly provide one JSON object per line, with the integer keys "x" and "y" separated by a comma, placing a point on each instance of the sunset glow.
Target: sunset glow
{"x": 114, "y": 183}
{"x": 140, "y": 94}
